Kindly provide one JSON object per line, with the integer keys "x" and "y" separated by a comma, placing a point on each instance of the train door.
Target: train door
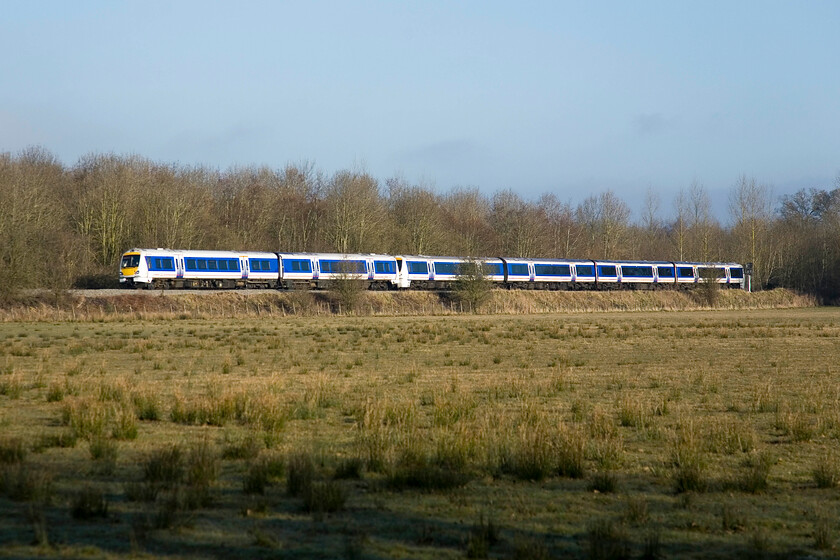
{"x": 243, "y": 264}
{"x": 179, "y": 267}
{"x": 531, "y": 274}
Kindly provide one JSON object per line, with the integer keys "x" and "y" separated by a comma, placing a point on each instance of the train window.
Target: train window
{"x": 736, "y": 272}
{"x": 552, "y": 270}
{"x": 212, "y": 264}
{"x": 493, "y": 268}
{"x": 201, "y": 264}
{"x": 130, "y": 261}
{"x": 517, "y": 269}
{"x": 446, "y": 268}
{"x": 665, "y": 271}
{"x": 384, "y": 267}
{"x": 343, "y": 267}
{"x": 160, "y": 263}
{"x": 297, "y": 265}
{"x": 585, "y": 270}
{"x": 607, "y": 270}
{"x": 685, "y": 272}
{"x": 223, "y": 264}
{"x": 637, "y": 271}
{"x": 418, "y": 267}
{"x": 233, "y": 264}
{"x": 709, "y": 272}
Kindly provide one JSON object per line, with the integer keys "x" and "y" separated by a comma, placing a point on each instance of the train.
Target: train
{"x": 168, "y": 268}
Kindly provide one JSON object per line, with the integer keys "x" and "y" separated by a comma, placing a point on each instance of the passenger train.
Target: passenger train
{"x": 166, "y": 268}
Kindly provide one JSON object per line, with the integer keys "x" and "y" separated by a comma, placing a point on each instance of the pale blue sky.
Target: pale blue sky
{"x": 565, "y": 97}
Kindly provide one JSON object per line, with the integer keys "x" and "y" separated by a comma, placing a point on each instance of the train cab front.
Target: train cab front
{"x": 129, "y": 268}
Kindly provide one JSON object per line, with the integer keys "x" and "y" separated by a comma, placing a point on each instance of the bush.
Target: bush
{"x": 472, "y": 286}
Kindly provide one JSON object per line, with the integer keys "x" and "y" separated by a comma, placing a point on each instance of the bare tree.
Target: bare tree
{"x": 750, "y": 206}
{"x": 562, "y": 231}
{"x": 519, "y": 225}
{"x": 417, "y": 218}
{"x": 354, "y": 213}
{"x": 467, "y": 216}
{"x": 679, "y": 229}
{"x": 702, "y": 224}
{"x": 30, "y": 222}
{"x": 606, "y": 219}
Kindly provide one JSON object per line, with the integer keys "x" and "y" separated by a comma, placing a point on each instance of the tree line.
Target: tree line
{"x": 68, "y": 225}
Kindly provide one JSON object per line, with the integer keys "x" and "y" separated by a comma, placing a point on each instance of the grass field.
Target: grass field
{"x": 697, "y": 434}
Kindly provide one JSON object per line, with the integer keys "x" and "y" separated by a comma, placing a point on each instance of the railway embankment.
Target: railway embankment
{"x": 122, "y": 304}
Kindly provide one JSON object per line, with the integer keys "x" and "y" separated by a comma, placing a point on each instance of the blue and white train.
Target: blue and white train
{"x": 166, "y": 268}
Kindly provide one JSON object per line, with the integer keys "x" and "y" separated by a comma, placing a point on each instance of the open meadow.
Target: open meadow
{"x": 690, "y": 434}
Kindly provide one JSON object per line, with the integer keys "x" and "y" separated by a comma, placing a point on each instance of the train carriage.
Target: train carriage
{"x": 166, "y": 268}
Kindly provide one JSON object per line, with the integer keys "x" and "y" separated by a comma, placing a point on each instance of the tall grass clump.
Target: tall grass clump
{"x": 319, "y": 496}
{"x": 607, "y": 540}
{"x": 754, "y": 474}
{"x": 147, "y": 406}
{"x": 482, "y": 536}
{"x": 24, "y": 483}
{"x": 689, "y": 461}
{"x": 300, "y": 472}
{"x": 262, "y": 473}
{"x": 12, "y": 450}
{"x": 730, "y": 436}
{"x": 89, "y": 503}
{"x": 531, "y": 453}
{"x": 570, "y": 452}
{"x": 383, "y": 427}
{"x": 86, "y": 418}
{"x": 604, "y": 482}
{"x": 104, "y": 452}
{"x": 324, "y": 496}
{"x": 635, "y": 413}
{"x": 180, "y": 480}
{"x": 416, "y": 470}
{"x": 125, "y": 423}
{"x": 823, "y": 533}
{"x": 826, "y": 471}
